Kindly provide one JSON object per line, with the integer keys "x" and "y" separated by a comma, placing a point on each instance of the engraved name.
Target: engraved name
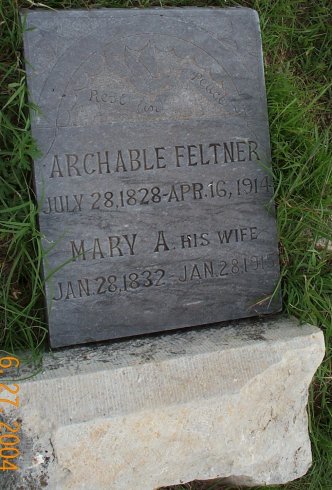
{"x": 113, "y": 246}
{"x": 120, "y": 245}
{"x": 155, "y": 158}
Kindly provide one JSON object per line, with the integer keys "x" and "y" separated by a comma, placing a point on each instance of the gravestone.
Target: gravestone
{"x": 154, "y": 179}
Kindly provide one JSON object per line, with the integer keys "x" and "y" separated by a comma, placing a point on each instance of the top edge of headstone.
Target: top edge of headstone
{"x": 101, "y": 11}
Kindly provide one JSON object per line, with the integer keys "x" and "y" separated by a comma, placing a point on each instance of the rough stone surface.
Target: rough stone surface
{"x": 200, "y": 404}
{"x": 154, "y": 182}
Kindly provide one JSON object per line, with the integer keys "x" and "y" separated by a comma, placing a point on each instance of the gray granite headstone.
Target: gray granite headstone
{"x": 155, "y": 181}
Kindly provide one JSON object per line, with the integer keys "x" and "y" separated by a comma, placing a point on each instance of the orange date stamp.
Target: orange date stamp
{"x": 9, "y": 440}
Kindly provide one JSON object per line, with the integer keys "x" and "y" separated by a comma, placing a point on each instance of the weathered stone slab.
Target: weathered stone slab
{"x": 144, "y": 413}
{"x": 155, "y": 181}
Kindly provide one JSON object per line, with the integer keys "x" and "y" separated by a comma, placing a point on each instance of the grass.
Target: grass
{"x": 297, "y": 46}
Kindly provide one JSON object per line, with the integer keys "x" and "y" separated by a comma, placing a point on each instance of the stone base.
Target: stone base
{"x": 226, "y": 402}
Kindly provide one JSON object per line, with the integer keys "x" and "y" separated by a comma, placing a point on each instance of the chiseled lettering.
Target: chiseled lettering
{"x": 94, "y": 94}
{"x": 197, "y": 271}
{"x": 214, "y": 146}
{"x": 56, "y": 169}
{"x": 123, "y": 99}
{"x": 178, "y": 155}
{"x": 194, "y": 240}
{"x": 120, "y": 163}
{"x": 78, "y": 200}
{"x": 201, "y": 155}
{"x": 209, "y": 87}
{"x": 238, "y": 234}
{"x": 197, "y": 75}
{"x": 100, "y": 248}
{"x": 105, "y": 162}
{"x": 97, "y": 252}
{"x": 60, "y": 292}
{"x": 159, "y": 157}
{"x": 208, "y": 269}
{"x": 86, "y": 169}
{"x": 240, "y": 151}
{"x": 161, "y": 242}
{"x": 197, "y": 190}
{"x": 72, "y": 160}
{"x": 253, "y": 233}
{"x": 191, "y": 155}
{"x": 58, "y": 204}
{"x": 173, "y": 195}
{"x": 64, "y": 204}
{"x": 145, "y": 159}
{"x": 145, "y": 162}
{"x": 253, "y": 150}
{"x": 78, "y": 251}
{"x": 184, "y": 189}
{"x": 83, "y": 287}
{"x": 186, "y": 241}
{"x": 131, "y": 243}
{"x": 229, "y": 152}
{"x": 48, "y": 209}
{"x": 225, "y": 236}
{"x": 70, "y": 291}
{"x": 114, "y": 245}
{"x": 115, "y": 241}
{"x": 135, "y": 163}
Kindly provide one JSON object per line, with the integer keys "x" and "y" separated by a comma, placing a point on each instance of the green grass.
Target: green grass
{"x": 297, "y": 47}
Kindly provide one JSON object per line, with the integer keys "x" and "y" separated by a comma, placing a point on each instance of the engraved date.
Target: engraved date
{"x": 231, "y": 267}
{"x": 109, "y": 284}
{"x": 117, "y": 199}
